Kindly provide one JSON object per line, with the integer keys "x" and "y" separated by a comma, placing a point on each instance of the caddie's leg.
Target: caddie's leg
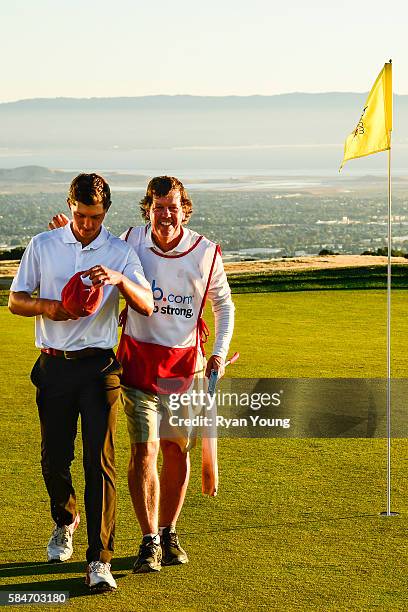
{"x": 143, "y": 420}
{"x": 174, "y": 479}
{"x": 99, "y": 402}
{"x": 58, "y": 412}
{"x": 144, "y": 485}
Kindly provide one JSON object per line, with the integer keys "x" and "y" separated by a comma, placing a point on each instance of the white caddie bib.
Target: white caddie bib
{"x": 159, "y": 354}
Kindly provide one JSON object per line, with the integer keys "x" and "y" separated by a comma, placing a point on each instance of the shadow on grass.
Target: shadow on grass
{"x": 15, "y": 569}
{"x": 305, "y": 518}
{"x": 118, "y": 562}
{"x": 76, "y": 587}
{"x": 9, "y": 570}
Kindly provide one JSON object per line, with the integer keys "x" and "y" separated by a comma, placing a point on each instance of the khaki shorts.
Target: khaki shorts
{"x": 149, "y": 416}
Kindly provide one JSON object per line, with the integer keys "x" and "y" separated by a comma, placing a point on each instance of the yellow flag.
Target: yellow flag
{"x": 373, "y": 131}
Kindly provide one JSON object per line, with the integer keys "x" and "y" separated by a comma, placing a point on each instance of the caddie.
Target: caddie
{"x": 77, "y": 371}
{"x": 184, "y": 270}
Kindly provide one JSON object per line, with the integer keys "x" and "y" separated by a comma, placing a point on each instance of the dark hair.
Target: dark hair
{"x": 89, "y": 189}
{"x": 160, "y": 186}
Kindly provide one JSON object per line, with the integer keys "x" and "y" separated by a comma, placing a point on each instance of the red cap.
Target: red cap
{"x": 79, "y": 299}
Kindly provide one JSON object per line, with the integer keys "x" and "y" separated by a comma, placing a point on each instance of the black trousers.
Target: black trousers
{"x": 89, "y": 387}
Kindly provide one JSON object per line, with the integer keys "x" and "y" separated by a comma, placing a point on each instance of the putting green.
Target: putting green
{"x": 295, "y": 525}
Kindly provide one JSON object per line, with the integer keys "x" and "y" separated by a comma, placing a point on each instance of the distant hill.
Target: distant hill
{"x": 43, "y": 175}
{"x": 186, "y": 121}
{"x": 31, "y": 173}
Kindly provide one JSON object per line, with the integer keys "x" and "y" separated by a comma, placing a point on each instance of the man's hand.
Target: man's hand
{"x": 54, "y": 310}
{"x": 137, "y": 297}
{"x": 58, "y": 221}
{"x": 101, "y": 275}
{"x": 216, "y": 363}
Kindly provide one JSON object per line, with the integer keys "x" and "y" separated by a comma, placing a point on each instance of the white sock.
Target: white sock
{"x": 155, "y": 537}
{"x": 171, "y": 527}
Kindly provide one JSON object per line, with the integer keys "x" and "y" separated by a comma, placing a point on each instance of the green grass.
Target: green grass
{"x": 318, "y": 334}
{"x": 363, "y": 277}
{"x": 295, "y": 525}
{"x": 4, "y": 293}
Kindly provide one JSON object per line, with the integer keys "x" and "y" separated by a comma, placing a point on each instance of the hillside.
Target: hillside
{"x": 9, "y": 268}
{"x": 291, "y": 274}
{"x": 295, "y": 264}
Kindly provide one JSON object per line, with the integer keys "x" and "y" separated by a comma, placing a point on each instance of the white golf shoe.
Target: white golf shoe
{"x": 99, "y": 577}
{"x": 60, "y": 547}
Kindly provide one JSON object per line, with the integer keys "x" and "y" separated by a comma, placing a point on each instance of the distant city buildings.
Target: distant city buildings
{"x": 248, "y": 224}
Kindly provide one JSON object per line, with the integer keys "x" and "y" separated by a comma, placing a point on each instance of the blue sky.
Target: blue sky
{"x": 217, "y": 47}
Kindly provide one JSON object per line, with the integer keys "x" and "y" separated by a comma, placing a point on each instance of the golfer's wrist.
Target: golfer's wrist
{"x": 42, "y": 306}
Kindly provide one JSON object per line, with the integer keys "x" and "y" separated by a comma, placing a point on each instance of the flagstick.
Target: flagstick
{"x": 388, "y": 512}
{"x": 357, "y": 145}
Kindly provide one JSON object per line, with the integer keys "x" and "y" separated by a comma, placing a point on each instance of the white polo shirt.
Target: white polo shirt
{"x": 50, "y": 260}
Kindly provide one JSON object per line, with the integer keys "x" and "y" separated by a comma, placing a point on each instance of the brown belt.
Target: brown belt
{"x": 86, "y": 352}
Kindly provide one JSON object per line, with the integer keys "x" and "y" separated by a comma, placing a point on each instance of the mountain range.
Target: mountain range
{"x": 187, "y": 121}
{"x": 296, "y": 133}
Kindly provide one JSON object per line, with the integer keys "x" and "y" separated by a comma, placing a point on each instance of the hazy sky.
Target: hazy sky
{"x": 90, "y": 48}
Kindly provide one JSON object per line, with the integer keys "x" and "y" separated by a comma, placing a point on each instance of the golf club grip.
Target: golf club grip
{"x": 233, "y": 359}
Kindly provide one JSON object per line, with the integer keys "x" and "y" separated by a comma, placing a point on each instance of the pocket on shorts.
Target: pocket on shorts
{"x": 111, "y": 366}
{"x": 110, "y": 372}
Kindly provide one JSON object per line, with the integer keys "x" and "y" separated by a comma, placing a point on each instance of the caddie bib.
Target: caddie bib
{"x": 159, "y": 353}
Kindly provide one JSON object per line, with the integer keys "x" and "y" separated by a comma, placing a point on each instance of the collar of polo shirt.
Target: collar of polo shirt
{"x": 69, "y": 238}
